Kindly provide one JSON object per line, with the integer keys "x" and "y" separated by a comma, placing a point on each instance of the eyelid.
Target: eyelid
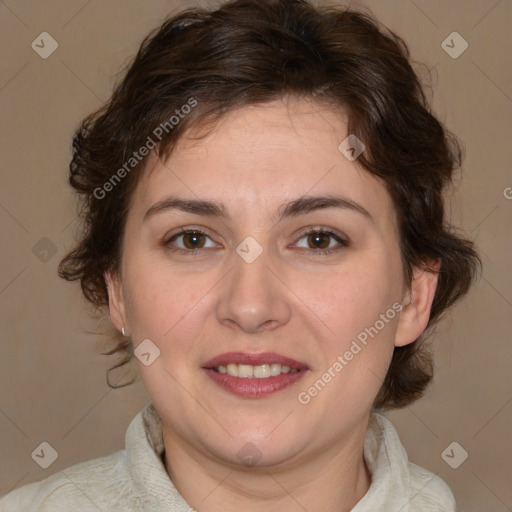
{"x": 323, "y": 229}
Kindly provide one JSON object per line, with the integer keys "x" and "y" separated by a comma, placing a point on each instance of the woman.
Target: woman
{"x": 263, "y": 212}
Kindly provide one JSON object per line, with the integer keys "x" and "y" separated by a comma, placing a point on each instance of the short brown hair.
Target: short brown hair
{"x": 254, "y": 51}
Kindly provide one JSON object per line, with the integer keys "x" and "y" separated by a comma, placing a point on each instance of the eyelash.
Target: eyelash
{"x": 317, "y": 252}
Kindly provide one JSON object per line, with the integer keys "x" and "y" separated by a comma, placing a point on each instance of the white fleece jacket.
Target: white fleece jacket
{"x": 135, "y": 479}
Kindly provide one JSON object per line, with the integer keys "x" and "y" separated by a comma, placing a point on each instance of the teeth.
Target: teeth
{"x": 245, "y": 370}
{"x": 275, "y": 369}
{"x": 232, "y": 370}
{"x": 263, "y": 371}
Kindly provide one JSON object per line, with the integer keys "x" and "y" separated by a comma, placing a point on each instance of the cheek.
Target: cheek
{"x": 350, "y": 300}
{"x": 160, "y": 301}
{"x": 170, "y": 307}
{"x": 357, "y": 328}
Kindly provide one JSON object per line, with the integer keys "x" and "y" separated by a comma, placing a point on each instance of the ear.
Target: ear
{"x": 116, "y": 303}
{"x": 417, "y": 305}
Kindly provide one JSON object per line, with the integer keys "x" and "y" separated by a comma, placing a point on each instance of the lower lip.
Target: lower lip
{"x": 252, "y": 387}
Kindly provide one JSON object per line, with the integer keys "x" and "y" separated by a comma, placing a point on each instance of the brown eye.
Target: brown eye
{"x": 194, "y": 240}
{"x": 319, "y": 240}
{"x": 189, "y": 241}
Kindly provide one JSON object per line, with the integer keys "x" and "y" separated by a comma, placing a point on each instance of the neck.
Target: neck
{"x": 334, "y": 480}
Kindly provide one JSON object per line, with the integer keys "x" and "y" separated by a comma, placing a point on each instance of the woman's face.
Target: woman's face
{"x": 257, "y": 283}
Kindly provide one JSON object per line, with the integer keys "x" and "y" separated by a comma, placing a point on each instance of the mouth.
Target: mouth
{"x": 254, "y": 375}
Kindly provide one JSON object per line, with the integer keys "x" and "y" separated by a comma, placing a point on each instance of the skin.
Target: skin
{"x": 289, "y": 300}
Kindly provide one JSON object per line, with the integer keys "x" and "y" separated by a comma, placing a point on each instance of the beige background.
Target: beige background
{"x": 52, "y": 383}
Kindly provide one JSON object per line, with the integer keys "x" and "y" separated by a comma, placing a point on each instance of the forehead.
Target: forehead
{"x": 260, "y": 156}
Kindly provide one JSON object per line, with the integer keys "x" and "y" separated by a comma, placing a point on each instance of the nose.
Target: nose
{"x": 252, "y": 298}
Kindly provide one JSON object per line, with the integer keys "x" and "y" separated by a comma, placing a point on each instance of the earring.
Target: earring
{"x": 122, "y": 330}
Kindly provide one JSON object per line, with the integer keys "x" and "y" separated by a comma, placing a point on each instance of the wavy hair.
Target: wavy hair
{"x": 249, "y": 52}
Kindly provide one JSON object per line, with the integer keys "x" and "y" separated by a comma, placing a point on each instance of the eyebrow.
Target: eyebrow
{"x": 300, "y": 206}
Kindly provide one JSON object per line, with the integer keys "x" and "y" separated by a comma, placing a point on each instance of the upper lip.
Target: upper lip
{"x": 254, "y": 360}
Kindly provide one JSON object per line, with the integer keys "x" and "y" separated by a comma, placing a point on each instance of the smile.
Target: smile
{"x": 262, "y": 371}
{"x": 254, "y": 375}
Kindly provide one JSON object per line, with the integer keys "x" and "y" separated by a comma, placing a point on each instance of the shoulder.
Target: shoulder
{"x": 429, "y": 492}
{"x": 93, "y": 485}
{"x": 416, "y": 489}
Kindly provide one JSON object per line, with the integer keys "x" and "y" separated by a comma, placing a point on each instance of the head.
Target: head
{"x": 242, "y": 141}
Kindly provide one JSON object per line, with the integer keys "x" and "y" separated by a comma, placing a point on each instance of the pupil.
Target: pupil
{"x": 319, "y": 239}
{"x": 192, "y": 240}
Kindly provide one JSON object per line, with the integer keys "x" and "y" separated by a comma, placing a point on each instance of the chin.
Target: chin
{"x": 255, "y": 453}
